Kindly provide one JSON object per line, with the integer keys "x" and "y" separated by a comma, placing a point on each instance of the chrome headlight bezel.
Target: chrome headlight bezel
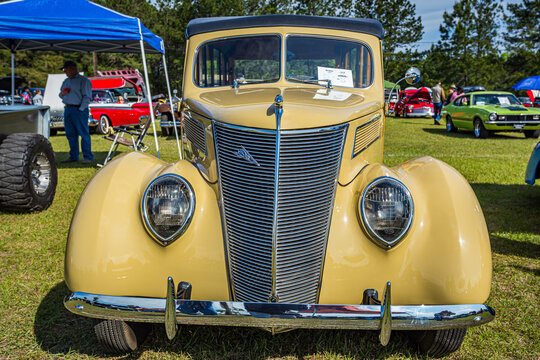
{"x": 190, "y": 194}
{"x": 372, "y": 234}
{"x": 492, "y": 116}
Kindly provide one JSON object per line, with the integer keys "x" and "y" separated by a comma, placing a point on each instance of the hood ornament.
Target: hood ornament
{"x": 242, "y": 153}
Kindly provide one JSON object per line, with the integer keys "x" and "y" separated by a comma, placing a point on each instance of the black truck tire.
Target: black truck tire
{"x": 28, "y": 173}
{"x": 439, "y": 343}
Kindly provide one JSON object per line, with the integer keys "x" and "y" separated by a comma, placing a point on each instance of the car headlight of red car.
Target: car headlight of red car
{"x": 386, "y": 209}
{"x": 167, "y": 207}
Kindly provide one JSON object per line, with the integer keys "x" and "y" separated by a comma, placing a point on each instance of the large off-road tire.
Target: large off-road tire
{"x": 480, "y": 131}
{"x": 439, "y": 343}
{"x": 532, "y": 133}
{"x": 28, "y": 173}
{"x": 121, "y": 337}
{"x": 450, "y": 127}
{"x": 103, "y": 125}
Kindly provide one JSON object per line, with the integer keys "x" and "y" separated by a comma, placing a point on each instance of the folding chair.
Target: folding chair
{"x": 135, "y": 139}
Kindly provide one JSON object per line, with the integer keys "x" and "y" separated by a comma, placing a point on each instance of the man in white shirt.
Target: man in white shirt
{"x": 76, "y": 94}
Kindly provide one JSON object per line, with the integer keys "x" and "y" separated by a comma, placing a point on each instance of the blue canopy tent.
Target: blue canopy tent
{"x": 530, "y": 83}
{"x": 76, "y": 25}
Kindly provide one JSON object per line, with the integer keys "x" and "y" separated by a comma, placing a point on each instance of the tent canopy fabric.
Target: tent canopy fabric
{"x": 530, "y": 83}
{"x": 74, "y": 25}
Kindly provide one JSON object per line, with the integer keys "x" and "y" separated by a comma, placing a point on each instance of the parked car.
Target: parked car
{"x": 468, "y": 89}
{"x": 122, "y": 102}
{"x": 525, "y": 101}
{"x": 489, "y": 111}
{"x": 281, "y": 215}
{"x": 414, "y": 102}
{"x": 533, "y": 166}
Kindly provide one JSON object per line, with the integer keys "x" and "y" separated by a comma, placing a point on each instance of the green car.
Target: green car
{"x": 487, "y": 111}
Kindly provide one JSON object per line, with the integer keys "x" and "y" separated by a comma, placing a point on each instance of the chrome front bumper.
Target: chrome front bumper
{"x": 385, "y": 317}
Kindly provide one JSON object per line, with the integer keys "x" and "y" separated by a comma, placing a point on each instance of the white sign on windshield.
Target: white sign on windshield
{"x": 503, "y": 100}
{"x": 338, "y": 77}
{"x": 322, "y": 94}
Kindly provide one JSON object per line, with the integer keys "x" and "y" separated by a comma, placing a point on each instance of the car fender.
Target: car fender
{"x": 445, "y": 257}
{"x": 533, "y": 169}
{"x": 110, "y": 252}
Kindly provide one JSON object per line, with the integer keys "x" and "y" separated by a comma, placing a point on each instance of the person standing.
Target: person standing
{"x": 76, "y": 94}
{"x": 26, "y": 96}
{"x": 450, "y": 96}
{"x": 38, "y": 98}
{"x": 438, "y": 98}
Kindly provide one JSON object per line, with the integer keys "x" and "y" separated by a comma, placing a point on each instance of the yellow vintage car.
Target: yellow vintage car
{"x": 281, "y": 214}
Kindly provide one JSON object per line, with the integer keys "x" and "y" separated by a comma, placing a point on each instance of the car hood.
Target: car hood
{"x": 303, "y": 107}
{"x": 422, "y": 93}
{"x": 514, "y": 109}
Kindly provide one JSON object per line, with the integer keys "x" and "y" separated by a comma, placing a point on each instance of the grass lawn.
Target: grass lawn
{"x": 34, "y": 323}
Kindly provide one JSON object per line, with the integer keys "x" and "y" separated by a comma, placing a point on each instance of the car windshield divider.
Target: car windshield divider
{"x": 310, "y": 81}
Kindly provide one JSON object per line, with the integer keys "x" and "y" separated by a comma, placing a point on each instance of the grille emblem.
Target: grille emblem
{"x": 242, "y": 153}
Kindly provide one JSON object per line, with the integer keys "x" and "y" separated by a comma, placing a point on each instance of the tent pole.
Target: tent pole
{"x": 148, "y": 89}
{"x": 172, "y": 110}
{"x": 12, "y": 78}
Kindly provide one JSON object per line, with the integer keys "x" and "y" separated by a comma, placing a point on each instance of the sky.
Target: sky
{"x": 431, "y": 12}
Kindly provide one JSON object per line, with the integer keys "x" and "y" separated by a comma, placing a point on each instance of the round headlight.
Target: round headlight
{"x": 492, "y": 117}
{"x": 386, "y": 207}
{"x": 167, "y": 207}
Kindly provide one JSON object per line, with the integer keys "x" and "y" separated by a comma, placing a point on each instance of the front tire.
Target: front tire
{"x": 480, "y": 131}
{"x": 121, "y": 337}
{"x": 439, "y": 343}
{"x": 534, "y": 134}
{"x": 28, "y": 173}
{"x": 450, "y": 127}
{"x": 103, "y": 125}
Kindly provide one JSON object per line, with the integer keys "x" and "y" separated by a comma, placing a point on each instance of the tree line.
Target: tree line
{"x": 482, "y": 42}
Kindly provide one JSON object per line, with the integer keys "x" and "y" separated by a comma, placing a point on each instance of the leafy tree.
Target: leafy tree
{"x": 523, "y": 25}
{"x": 402, "y": 28}
{"x": 468, "y": 51}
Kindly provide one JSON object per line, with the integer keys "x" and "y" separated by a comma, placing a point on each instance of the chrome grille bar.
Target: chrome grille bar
{"x": 295, "y": 214}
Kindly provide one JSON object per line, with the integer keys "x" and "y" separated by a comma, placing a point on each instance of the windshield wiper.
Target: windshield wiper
{"x": 310, "y": 81}
{"x": 236, "y": 84}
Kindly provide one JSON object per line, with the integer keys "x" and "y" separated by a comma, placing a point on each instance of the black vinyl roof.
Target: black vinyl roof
{"x": 204, "y": 25}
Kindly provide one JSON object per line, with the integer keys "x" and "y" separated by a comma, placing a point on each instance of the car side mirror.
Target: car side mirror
{"x": 412, "y": 76}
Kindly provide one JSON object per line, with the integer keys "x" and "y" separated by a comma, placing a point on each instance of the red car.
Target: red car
{"x": 116, "y": 101}
{"x": 414, "y": 102}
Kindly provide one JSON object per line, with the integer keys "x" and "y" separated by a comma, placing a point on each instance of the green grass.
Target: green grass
{"x": 35, "y": 325}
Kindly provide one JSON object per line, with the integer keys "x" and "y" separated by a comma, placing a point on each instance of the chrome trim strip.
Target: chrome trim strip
{"x": 278, "y": 104}
{"x": 310, "y": 316}
{"x": 516, "y": 122}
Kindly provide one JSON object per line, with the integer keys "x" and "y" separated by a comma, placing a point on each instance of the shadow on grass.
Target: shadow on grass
{"x": 59, "y": 332}
{"x": 99, "y": 158}
{"x": 441, "y": 130}
{"x": 511, "y": 209}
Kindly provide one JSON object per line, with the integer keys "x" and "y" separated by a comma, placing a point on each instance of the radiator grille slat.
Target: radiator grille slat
{"x": 366, "y": 134}
{"x": 194, "y": 131}
{"x": 308, "y": 169}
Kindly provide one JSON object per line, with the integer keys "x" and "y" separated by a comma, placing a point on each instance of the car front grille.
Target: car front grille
{"x": 276, "y": 244}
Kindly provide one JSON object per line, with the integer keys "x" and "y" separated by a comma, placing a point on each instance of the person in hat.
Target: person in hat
{"x": 76, "y": 94}
{"x": 451, "y": 94}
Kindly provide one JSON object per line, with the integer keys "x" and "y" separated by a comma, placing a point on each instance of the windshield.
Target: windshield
{"x": 101, "y": 96}
{"x": 248, "y": 59}
{"x": 344, "y": 63}
{"x": 496, "y": 99}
